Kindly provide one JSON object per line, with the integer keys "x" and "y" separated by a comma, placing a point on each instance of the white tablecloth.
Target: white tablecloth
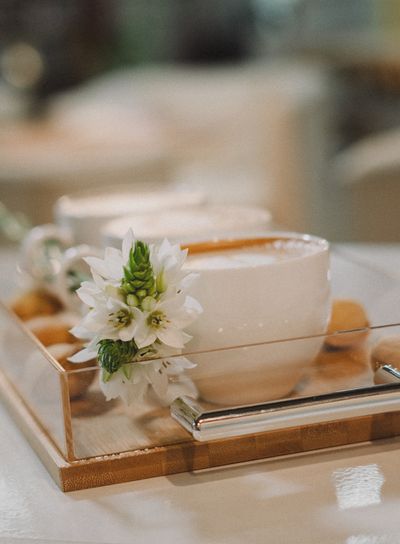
{"x": 349, "y": 496}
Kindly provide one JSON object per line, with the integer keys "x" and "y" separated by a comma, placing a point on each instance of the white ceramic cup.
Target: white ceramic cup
{"x": 191, "y": 223}
{"x": 84, "y": 214}
{"x": 284, "y": 298}
{"x": 51, "y": 255}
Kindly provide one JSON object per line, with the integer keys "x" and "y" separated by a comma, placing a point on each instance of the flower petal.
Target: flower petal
{"x": 134, "y": 393}
{"x": 187, "y": 281}
{"x": 145, "y": 337}
{"x": 127, "y": 333}
{"x": 172, "y": 337}
{"x": 83, "y": 356}
{"x": 98, "y": 265}
{"x": 127, "y": 244}
{"x": 114, "y": 263}
{"x": 98, "y": 280}
{"x": 178, "y": 364}
{"x": 158, "y": 378}
{"x": 86, "y": 295}
{"x": 80, "y": 332}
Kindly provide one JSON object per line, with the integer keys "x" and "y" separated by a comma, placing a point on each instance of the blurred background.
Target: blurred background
{"x": 290, "y": 105}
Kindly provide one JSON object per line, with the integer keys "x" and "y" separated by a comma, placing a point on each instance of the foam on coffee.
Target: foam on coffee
{"x": 265, "y": 253}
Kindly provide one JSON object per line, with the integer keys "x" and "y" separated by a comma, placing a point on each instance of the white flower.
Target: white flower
{"x": 131, "y": 384}
{"x": 130, "y": 389}
{"x": 158, "y": 372}
{"x": 145, "y": 306}
{"x": 109, "y": 318}
{"x": 167, "y": 261}
{"x": 111, "y": 268}
{"x": 165, "y": 321}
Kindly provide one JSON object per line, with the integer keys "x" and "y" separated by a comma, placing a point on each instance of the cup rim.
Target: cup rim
{"x": 261, "y": 220}
{"x": 237, "y": 242}
{"x": 62, "y": 207}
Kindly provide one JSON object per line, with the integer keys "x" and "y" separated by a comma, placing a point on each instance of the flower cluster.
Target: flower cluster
{"x": 138, "y": 313}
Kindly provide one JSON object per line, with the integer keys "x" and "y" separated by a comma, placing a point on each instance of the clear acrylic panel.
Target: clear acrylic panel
{"x": 267, "y": 372}
{"x": 100, "y": 427}
{"x": 35, "y": 375}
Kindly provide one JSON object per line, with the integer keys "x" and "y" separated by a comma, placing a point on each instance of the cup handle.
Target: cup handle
{"x": 41, "y": 253}
{"x": 69, "y": 276}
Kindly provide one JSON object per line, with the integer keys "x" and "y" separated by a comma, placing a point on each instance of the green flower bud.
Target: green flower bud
{"x": 132, "y": 300}
{"x": 113, "y": 354}
{"x": 137, "y": 283}
{"x": 138, "y": 277}
{"x": 142, "y": 293}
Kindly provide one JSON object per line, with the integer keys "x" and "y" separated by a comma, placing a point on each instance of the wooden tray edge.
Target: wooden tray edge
{"x": 33, "y": 432}
{"x": 191, "y": 456}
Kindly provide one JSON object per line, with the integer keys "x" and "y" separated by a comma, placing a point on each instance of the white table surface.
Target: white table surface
{"x": 350, "y": 495}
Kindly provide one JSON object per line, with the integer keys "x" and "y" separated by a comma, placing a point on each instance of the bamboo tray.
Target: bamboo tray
{"x": 89, "y": 442}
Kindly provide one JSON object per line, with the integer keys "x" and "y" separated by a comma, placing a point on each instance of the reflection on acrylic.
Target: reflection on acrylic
{"x": 372, "y": 539}
{"x": 358, "y": 486}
